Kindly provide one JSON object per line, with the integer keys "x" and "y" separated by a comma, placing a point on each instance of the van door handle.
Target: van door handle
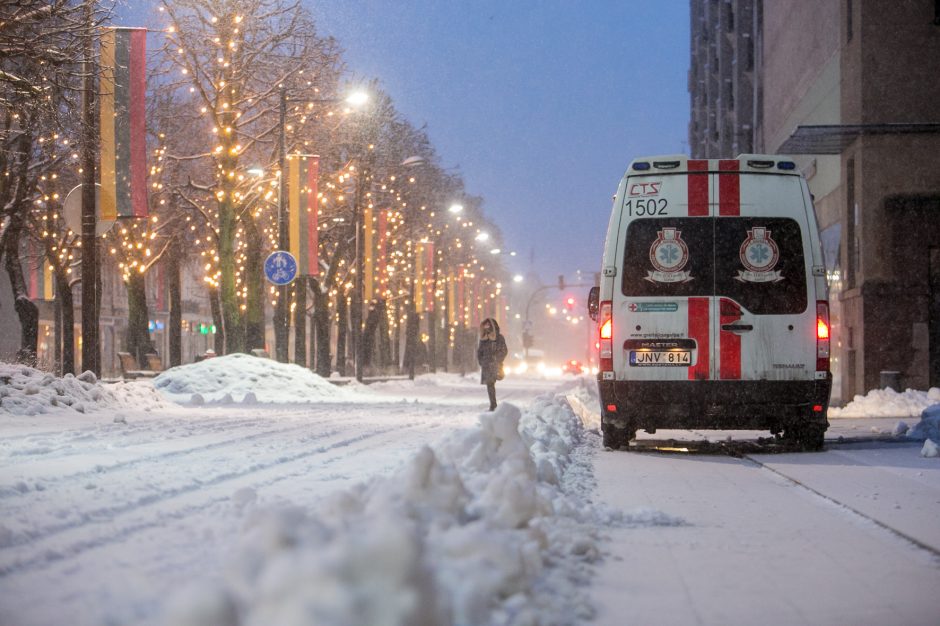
{"x": 737, "y": 328}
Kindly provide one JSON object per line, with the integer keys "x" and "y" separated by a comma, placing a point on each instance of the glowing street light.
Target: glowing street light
{"x": 482, "y": 236}
{"x": 357, "y": 98}
{"x": 518, "y": 278}
{"x": 455, "y": 208}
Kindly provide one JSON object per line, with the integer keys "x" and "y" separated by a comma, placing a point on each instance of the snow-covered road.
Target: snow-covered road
{"x": 399, "y": 499}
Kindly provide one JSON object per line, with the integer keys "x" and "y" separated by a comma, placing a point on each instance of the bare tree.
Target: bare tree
{"x": 40, "y": 51}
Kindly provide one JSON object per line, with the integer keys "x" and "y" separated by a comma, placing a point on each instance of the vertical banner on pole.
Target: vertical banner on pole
{"x": 123, "y": 125}
{"x": 419, "y": 276}
{"x": 368, "y": 266}
{"x": 380, "y": 253}
{"x": 429, "y": 282}
{"x": 302, "y": 174}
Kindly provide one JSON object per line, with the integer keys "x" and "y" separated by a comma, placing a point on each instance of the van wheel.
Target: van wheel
{"x": 617, "y": 438}
{"x": 809, "y": 437}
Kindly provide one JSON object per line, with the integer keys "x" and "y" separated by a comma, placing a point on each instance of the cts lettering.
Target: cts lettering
{"x": 639, "y": 190}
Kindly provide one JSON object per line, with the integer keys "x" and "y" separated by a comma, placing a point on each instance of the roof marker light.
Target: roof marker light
{"x": 760, "y": 164}
{"x": 641, "y": 166}
{"x": 665, "y": 165}
{"x": 786, "y": 165}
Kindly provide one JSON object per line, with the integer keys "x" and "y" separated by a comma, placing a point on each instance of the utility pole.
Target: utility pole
{"x": 90, "y": 339}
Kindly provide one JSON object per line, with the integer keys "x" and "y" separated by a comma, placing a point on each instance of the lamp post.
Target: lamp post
{"x": 282, "y": 310}
{"x": 281, "y": 317}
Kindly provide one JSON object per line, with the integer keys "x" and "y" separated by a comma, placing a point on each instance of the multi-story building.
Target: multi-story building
{"x": 725, "y": 107}
{"x": 849, "y": 88}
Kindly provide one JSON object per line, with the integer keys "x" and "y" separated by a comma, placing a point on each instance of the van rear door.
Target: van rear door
{"x": 663, "y": 299}
{"x": 766, "y": 324}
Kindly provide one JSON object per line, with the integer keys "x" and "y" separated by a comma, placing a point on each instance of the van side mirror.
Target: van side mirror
{"x": 593, "y": 301}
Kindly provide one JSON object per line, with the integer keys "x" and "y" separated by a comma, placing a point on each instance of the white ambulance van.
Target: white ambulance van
{"x": 712, "y": 310}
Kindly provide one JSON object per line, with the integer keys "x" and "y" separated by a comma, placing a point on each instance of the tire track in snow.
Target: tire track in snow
{"x": 847, "y": 507}
{"x": 39, "y": 556}
{"x": 101, "y": 471}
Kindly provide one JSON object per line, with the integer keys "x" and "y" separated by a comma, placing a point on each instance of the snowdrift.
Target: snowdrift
{"x": 483, "y": 528}
{"x": 888, "y": 403}
{"x": 245, "y": 378}
{"x": 28, "y": 391}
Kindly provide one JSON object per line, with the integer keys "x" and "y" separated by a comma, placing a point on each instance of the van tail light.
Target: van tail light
{"x": 606, "y": 332}
{"x": 822, "y": 336}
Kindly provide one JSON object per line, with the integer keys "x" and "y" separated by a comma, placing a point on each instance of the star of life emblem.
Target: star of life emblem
{"x": 669, "y": 255}
{"x": 759, "y": 255}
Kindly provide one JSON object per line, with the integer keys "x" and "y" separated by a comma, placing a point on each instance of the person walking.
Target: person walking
{"x": 491, "y": 352}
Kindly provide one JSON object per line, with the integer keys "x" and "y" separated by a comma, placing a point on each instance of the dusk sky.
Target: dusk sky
{"x": 539, "y": 104}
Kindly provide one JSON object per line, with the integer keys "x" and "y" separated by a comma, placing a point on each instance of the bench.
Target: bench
{"x": 130, "y": 369}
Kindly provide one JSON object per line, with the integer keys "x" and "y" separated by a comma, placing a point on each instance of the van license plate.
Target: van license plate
{"x": 658, "y": 358}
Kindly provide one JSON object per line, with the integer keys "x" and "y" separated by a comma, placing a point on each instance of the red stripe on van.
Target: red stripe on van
{"x": 698, "y": 188}
{"x": 729, "y": 344}
{"x": 698, "y": 330}
{"x": 729, "y": 188}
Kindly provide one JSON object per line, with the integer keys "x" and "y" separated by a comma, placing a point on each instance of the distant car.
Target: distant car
{"x": 573, "y": 367}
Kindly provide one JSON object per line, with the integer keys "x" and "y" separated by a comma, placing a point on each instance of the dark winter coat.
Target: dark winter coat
{"x": 490, "y": 355}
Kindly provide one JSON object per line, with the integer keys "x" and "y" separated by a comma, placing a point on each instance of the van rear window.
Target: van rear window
{"x": 756, "y": 261}
{"x": 669, "y": 257}
{"x": 759, "y": 264}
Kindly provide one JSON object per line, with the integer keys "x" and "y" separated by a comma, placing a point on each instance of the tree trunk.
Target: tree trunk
{"x": 233, "y": 330}
{"x": 432, "y": 340}
{"x": 342, "y": 332}
{"x": 321, "y": 324}
{"x": 176, "y": 306}
{"x": 368, "y": 335}
{"x": 396, "y": 340}
{"x": 138, "y": 341}
{"x": 385, "y": 346}
{"x": 67, "y": 332}
{"x": 342, "y": 313}
{"x": 411, "y": 342}
{"x": 215, "y": 303}
{"x": 254, "y": 282}
{"x": 300, "y": 321}
{"x": 25, "y": 308}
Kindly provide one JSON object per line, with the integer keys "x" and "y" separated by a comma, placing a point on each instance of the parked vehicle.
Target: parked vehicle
{"x": 713, "y": 305}
{"x": 573, "y": 366}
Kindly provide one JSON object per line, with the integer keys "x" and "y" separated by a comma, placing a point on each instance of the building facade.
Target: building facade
{"x": 849, "y": 89}
{"x": 725, "y": 93}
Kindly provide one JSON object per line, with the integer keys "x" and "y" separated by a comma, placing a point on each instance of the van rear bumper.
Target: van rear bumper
{"x": 759, "y": 405}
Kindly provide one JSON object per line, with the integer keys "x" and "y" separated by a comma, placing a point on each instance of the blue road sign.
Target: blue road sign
{"x": 280, "y": 268}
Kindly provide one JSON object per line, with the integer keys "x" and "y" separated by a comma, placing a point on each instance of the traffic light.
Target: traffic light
{"x": 570, "y": 302}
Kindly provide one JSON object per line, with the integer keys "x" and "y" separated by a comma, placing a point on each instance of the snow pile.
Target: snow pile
{"x": 928, "y": 429}
{"x": 245, "y": 378}
{"x": 28, "y": 391}
{"x": 490, "y": 526}
{"x": 888, "y": 403}
{"x": 585, "y": 400}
